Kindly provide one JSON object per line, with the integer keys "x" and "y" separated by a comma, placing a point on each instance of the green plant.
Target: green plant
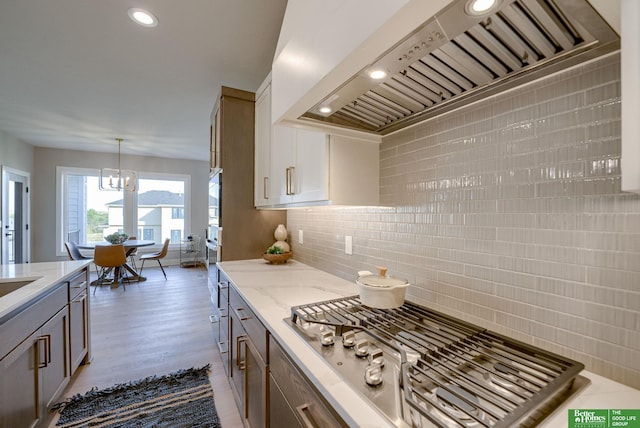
{"x": 274, "y": 249}
{"x": 116, "y": 238}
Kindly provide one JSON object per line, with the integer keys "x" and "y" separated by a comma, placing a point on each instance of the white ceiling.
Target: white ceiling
{"x": 76, "y": 74}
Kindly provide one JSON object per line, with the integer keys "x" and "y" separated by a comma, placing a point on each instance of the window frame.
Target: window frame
{"x": 130, "y": 208}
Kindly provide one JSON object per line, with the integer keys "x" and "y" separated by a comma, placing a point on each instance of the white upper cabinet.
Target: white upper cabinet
{"x": 297, "y": 166}
{"x": 300, "y": 165}
{"x": 262, "y": 164}
{"x": 312, "y": 168}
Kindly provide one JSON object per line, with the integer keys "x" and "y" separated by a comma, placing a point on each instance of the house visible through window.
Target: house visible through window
{"x": 177, "y": 213}
{"x": 86, "y": 214}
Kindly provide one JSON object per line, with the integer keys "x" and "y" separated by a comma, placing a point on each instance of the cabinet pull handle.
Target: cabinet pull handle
{"x": 305, "y": 414}
{"x": 241, "y": 317}
{"x": 223, "y": 285}
{"x": 265, "y": 187}
{"x": 220, "y": 345}
{"x": 77, "y": 301}
{"x": 241, "y": 364}
{"x": 46, "y": 339}
{"x": 289, "y": 177}
{"x": 213, "y": 319}
{"x": 42, "y": 362}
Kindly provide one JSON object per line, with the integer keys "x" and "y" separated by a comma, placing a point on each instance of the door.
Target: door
{"x": 15, "y": 216}
{"x": 282, "y": 164}
{"x": 20, "y": 396}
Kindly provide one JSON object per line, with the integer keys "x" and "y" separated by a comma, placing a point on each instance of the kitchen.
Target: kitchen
{"x": 537, "y": 243}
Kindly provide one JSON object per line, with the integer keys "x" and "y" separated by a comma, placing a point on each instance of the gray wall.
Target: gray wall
{"x": 15, "y": 154}
{"x": 43, "y": 183}
{"x": 508, "y": 213}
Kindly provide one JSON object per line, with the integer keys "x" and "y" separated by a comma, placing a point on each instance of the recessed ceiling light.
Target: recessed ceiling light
{"x": 480, "y": 7}
{"x": 325, "y": 109}
{"x": 377, "y": 74}
{"x": 143, "y": 17}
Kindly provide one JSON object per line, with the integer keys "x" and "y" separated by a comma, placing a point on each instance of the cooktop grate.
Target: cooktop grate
{"x": 455, "y": 373}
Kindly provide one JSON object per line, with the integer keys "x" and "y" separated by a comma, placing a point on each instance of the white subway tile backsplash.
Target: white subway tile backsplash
{"x": 508, "y": 214}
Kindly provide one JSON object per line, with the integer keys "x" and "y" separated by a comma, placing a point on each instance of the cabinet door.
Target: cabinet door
{"x": 282, "y": 164}
{"x": 214, "y": 143}
{"x": 78, "y": 329}
{"x": 262, "y": 194}
{"x": 20, "y": 397}
{"x": 223, "y": 325}
{"x": 311, "y": 175}
{"x": 56, "y": 370}
{"x": 237, "y": 355}
{"x": 256, "y": 386}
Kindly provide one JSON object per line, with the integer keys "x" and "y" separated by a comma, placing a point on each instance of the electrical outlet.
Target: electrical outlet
{"x": 348, "y": 245}
{"x": 300, "y": 236}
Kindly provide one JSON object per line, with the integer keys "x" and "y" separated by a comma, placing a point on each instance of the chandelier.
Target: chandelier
{"x": 118, "y": 179}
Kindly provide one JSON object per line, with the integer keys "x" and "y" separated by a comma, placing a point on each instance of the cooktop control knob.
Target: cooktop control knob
{"x": 326, "y": 338}
{"x": 362, "y": 348}
{"x": 376, "y": 357}
{"x": 373, "y": 375}
{"x": 349, "y": 339}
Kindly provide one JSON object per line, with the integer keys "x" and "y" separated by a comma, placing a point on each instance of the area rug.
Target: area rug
{"x": 180, "y": 399}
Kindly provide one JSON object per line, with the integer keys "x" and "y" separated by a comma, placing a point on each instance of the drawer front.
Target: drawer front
{"x": 280, "y": 413}
{"x": 77, "y": 285}
{"x": 251, "y": 324}
{"x": 309, "y": 408}
{"x": 31, "y": 318}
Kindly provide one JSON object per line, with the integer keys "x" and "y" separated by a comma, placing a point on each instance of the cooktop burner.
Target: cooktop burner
{"x": 423, "y": 368}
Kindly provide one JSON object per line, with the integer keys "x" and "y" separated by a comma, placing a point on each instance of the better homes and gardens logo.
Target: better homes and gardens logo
{"x": 604, "y": 418}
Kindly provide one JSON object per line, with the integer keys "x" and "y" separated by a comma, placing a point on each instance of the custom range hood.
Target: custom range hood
{"x": 460, "y": 56}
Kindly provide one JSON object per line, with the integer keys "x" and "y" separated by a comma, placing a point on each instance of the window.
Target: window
{"x": 158, "y": 210}
{"x": 176, "y": 235}
{"x": 177, "y": 213}
{"x": 147, "y": 234}
{"x": 161, "y": 203}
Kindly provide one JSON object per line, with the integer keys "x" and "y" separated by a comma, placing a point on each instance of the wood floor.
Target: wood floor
{"x": 154, "y": 328}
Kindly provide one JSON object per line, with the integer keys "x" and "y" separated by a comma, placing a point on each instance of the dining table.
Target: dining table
{"x": 129, "y": 246}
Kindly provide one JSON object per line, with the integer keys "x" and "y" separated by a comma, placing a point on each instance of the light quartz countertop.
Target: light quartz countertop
{"x": 271, "y": 291}
{"x": 44, "y": 275}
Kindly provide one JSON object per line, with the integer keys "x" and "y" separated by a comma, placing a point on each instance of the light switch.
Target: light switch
{"x": 348, "y": 245}
{"x": 300, "y": 236}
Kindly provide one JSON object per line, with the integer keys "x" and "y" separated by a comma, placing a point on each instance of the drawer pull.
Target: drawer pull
{"x": 238, "y": 313}
{"x": 213, "y": 319}
{"x": 223, "y": 347}
{"x": 241, "y": 364}
{"x": 46, "y": 340}
{"x": 305, "y": 414}
{"x": 223, "y": 285}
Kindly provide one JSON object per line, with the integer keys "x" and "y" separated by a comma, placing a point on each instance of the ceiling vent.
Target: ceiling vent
{"x": 456, "y": 58}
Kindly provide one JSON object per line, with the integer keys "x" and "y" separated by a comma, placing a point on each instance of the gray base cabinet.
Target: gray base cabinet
{"x": 248, "y": 368}
{"x": 79, "y": 321}
{"x": 41, "y": 344}
{"x": 292, "y": 398}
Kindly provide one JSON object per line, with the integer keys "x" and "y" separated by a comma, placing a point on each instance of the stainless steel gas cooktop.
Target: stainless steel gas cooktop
{"x": 422, "y": 368}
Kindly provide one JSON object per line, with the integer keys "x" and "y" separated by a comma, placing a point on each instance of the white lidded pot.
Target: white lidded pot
{"x": 381, "y": 291}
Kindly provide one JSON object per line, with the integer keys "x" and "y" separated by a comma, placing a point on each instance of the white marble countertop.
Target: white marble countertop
{"x": 271, "y": 291}
{"x": 44, "y": 275}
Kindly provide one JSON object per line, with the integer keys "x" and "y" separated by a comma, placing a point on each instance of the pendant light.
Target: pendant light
{"x": 118, "y": 179}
